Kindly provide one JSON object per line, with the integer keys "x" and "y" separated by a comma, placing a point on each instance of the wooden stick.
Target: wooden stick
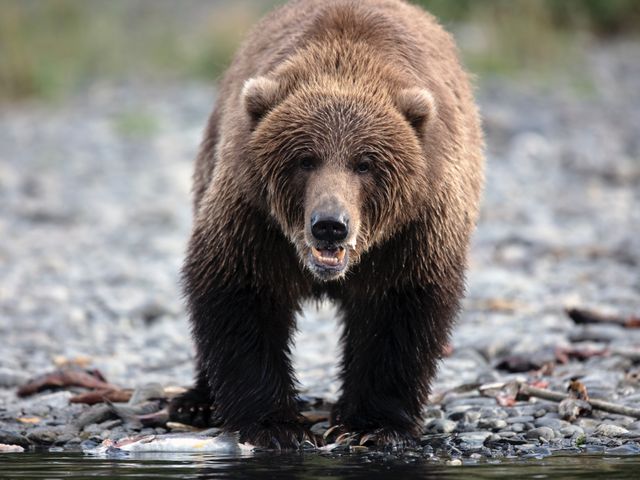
{"x": 530, "y": 391}
{"x": 582, "y": 316}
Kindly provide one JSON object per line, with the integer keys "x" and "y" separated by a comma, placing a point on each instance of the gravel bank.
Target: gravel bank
{"x": 95, "y": 213}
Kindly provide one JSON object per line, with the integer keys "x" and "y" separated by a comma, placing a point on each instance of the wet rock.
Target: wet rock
{"x": 626, "y": 449}
{"x": 552, "y": 423}
{"x": 14, "y": 438}
{"x": 95, "y": 414}
{"x": 433, "y": 412}
{"x": 588, "y": 424}
{"x": 520, "y": 419}
{"x": 42, "y": 404}
{"x": 441, "y": 426}
{"x": 473, "y": 440}
{"x": 571, "y": 431}
{"x": 517, "y": 427}
{"x": 545, "y": 433}
{"x": 492, "y": 423}
{"x": 42, "y": 436}
{"x": 493, "y": 412}
{"x": 610, "y": 430}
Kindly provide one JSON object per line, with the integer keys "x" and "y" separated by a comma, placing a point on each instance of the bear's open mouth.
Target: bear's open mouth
{"x": 332, "y": 258}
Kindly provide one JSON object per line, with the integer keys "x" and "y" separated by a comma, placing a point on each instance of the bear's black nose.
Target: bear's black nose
{"x": 329, "y": 229}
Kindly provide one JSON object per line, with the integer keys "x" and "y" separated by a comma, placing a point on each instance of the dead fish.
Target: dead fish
{"x": 225, "y": 443}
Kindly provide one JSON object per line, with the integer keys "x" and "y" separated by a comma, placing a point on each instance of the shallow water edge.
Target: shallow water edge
{"x": 75, "y": 465}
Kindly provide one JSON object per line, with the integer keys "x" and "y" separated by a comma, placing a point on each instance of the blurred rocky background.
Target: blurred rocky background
{"x": 102, "y": 106}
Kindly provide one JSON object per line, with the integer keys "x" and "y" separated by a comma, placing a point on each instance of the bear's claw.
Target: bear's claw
{"x": 380, "y": 437}
{"x": 279, "y": 436}
{"x": 193, "y": 408}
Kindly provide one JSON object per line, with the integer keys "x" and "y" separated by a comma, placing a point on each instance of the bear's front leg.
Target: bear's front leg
{"x": 242, "y": 344}
{"x": 392, "y": 343}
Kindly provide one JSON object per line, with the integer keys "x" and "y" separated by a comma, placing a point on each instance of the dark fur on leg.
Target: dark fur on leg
{"x": 194, "y": 407}
{"x": 391, "y": 351}
{"x": 242, "y": 334}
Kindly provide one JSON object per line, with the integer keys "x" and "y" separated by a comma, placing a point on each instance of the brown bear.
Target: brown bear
{"x": 343, "y": 160}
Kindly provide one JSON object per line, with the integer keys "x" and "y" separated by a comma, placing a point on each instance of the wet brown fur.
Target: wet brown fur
{"x": 340, "y": 79}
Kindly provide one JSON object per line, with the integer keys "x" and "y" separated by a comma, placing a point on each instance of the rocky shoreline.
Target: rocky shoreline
{"x": 95, "y": 216}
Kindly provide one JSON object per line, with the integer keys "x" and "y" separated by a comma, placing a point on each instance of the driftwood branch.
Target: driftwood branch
{"x": 582, "y": 316}
{"x": 530, "y": 391}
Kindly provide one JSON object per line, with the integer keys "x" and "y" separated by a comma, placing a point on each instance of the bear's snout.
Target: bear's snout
{"x": 329, "y": 228}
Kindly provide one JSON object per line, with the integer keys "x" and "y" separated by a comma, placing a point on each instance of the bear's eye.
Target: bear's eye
{"x": 307, "y": 162}
{"x": 363, "y": 165}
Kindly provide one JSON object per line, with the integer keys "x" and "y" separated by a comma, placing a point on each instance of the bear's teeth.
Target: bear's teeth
{"x": 321, "y": 256}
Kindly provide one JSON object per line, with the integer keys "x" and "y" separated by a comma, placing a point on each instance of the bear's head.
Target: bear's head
{"x": 340, "y": 169}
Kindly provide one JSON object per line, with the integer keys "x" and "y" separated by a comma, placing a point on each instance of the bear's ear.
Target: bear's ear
{"x": 260, "y": 94}
{"x": 417, "y": 105}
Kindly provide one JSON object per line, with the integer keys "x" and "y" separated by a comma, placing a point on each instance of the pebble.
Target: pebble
{"x": 571, "y": 431}
{"x": 441, "y": 426}
{"x": 9, "y": 437}
{"x": 610, "y": 430}
{"x": 492, "y": 423}
{"x": 518, "y": 427}
{"x": 553, "y": 423}
{"x": 473, "y": 440}
{"x": 541, "y": 432}
{"x": 520, "y": 419}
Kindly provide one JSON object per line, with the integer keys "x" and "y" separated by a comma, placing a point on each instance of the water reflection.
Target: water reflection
{"x": 38, "y": 466}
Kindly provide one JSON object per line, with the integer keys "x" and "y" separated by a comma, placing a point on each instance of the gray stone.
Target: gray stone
{"x": 517, "y": 427}
{"x": 51, "y": 435}
{"x": 634, "y": 426}
{"x": 13, "y": 438}
{"x": 475, "y": 439}
{"x": 95, "y": 414}
{"x": 545, "y": 433}
{"x": 440, "y": 426}
{"x": 492, "y": 423}
{"x": 521, "y": 419}
{"x": 571, "y": 431}
{"x": 610, "y": 430}
{"x": 42, "y": 404}
{"x": 553, "y": 423}
{"x": 433, "y": 412}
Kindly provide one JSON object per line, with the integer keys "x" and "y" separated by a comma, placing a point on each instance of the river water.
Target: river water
{"x": 72, "y": 465}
